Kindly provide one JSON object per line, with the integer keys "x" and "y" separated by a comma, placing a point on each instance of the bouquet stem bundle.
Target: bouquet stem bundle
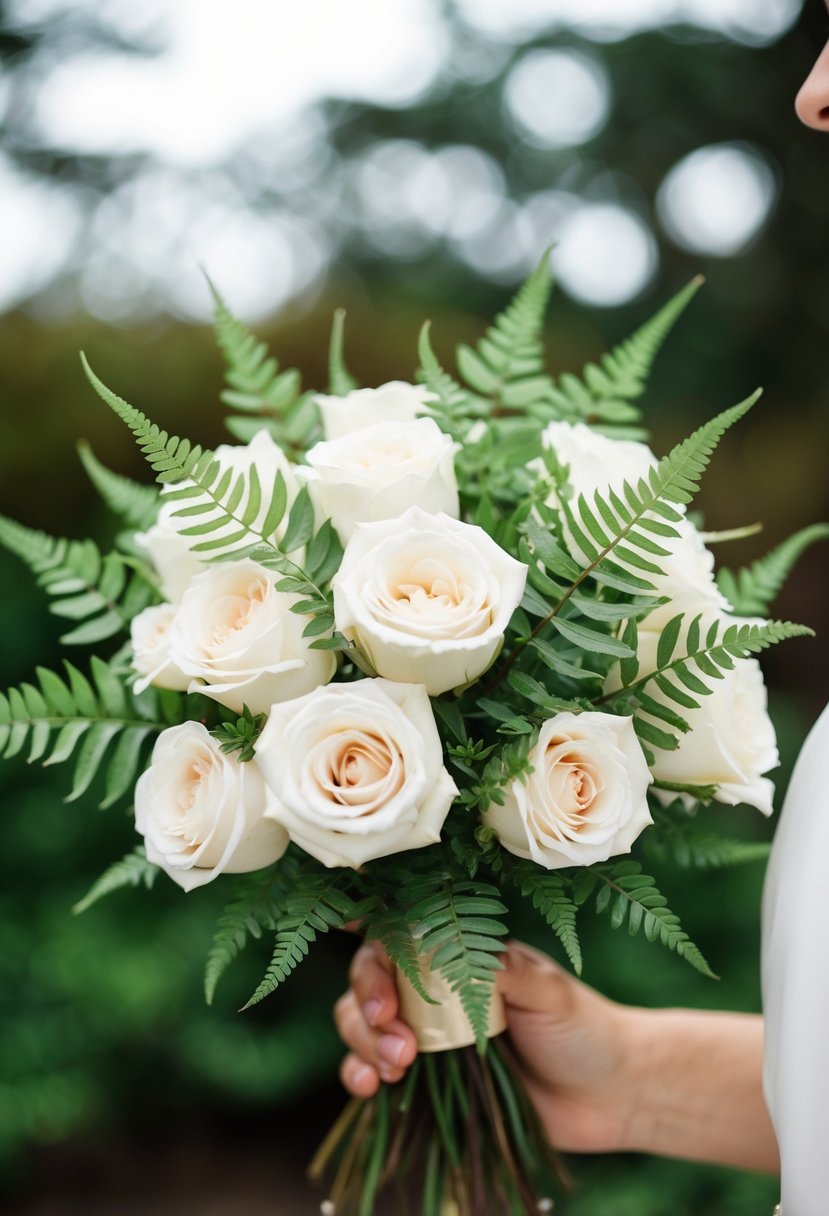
{"x": 458, "y": 1137}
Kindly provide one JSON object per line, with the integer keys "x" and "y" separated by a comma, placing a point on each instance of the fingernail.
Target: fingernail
{"x": 371, "y": 1010}
{"x": 361, "y": 1074}
{"x": 390, "y": 1047}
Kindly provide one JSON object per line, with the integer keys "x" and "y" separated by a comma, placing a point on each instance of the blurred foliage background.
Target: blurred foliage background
{"x": 404, "y": 163}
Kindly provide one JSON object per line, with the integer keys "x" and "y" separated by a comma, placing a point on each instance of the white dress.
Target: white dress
{"x": 796, "y": 981}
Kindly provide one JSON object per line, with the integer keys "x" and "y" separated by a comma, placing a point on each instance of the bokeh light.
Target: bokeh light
{"x": 558, "y": 99}
{"x": 606, "y": 254}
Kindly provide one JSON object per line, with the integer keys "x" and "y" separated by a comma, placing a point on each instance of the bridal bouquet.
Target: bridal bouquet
{"x": 395, "y": 655}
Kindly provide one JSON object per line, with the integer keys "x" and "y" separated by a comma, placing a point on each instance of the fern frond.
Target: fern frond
{"x": 267, "y": 397}
{"x": 457, "y": 924}
{"x": 340, "y": 380}
{"x": 604, "y": 392}
{"x": 135, "y": 503}
{"x": 550, "y": 895}
{"x": 103, "y": 591}
{"x": 454, "y": 409}
{"x": 131, "y": 871}
{"x": 752, "y": 590}
{"x": 629, "y": 895}
{"x": 677, "y": 835}
{"x": 390, "y": 926}
{"x": 508, "y": 365}
{"x": 100, "y": 723}
{"x": 317, "y": 903}
{"x": 252, "y": 909}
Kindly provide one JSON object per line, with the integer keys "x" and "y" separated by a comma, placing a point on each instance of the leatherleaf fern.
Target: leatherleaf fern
{"x": 101, "y": 592}
{"x": 96, "y": 722}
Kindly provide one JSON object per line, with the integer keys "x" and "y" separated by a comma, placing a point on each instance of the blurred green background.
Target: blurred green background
{"x": 404, "y": 161}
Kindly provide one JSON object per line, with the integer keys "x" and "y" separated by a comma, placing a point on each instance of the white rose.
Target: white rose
{"x": 379, "y": 472}
{"x": 392, "y": 402}
{"x": 150, "y": 638}
{"x": 236, "y": 638}
{"x": 171, "y": 551}
{"x": 731, "y": 742}
{"x": 597, "y": 463}
{"x": 202, "y": 813}
{"x": 427, "y": 598}
{"x": 586, "y": 799}
{"x": 356, "y": 771}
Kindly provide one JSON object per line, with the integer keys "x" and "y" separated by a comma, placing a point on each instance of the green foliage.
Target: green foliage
{"x": 389, "y": 923}
{"x": 454, "y": 409}
{"x": 252, "y": 910}
{"x": 605, "y": 391}
{"x": 131, "y": 871}
{"x": 677, "y": 835}
{"x": 340, "y": 380}
{"x": 268, "y": 398}
{"x": 751, "y": 591}
{"x": 99, "y": 723}
{"x": 550, "y": 893}
{"x": 315, "y": 901}
{"x": 101, "y": 592}
{"x": 631, "y": 896}
{"x": 240, "y": 735}
{"x": 507, "y": 365}
{"x": 136, "y": 504}
{"x": 685, "y": 672}
{"x": 456, "y": 924}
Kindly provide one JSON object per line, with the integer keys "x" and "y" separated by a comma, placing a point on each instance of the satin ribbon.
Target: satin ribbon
{"x": 445, "y": 1026}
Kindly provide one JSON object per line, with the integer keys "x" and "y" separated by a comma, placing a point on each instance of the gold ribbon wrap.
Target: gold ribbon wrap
{"x": 445, "y": 1026}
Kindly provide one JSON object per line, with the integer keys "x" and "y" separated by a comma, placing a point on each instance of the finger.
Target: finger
{"x": 533, "y": 982}
{"x": 390, "y": 1049}
{"x": 372, "y": 979}
{"x": 358, "y": 1077}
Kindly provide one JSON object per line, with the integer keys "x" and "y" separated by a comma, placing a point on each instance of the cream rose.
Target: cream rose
{"x": 427, "y": 598}
{"x": 150, "y": 638}
{"x": 356, "y": 771}
{"x": 392, "y": 402}
{"x": 731, "y": 742}
{"x": 166, "y": 544}
{"x": 597, "y": 463}
{"x": 201, "y": 813}
{"x": 586, "y": 799}
{"x": 237, "y": 639}
{"x": 379, "y": 472}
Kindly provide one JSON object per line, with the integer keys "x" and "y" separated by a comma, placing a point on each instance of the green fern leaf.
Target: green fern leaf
{"x": 340, "y": 380}
{"x": 135, "y": 503}
{"x": 131, "y": 871}
{"x": 457, "y": 924}
{"x": 100, "y": 723}
{"x": 252, "y": 909}
{"x": 629, "y": 895}
{"x": 677, "y": 836}
{"x": 508, "y": 364}
{"x": 751, "y": 591}
{"x": 316, "y": 904}
{"x": 103, "y": 591}
{"x": 550, "y": 895}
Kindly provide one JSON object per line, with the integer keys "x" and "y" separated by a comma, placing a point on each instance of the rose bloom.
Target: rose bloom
{"x": 586, "y": 799}
{"x": 392, "y": 402}
{"x": 597, "y": 463}
{"x": 201, "y": 813}
{"x": 171, "y": 552}
{"x": 731, "y": 742}
{"x": 236, "y": 638}
{"x": 379, "y": 472}
{"x": 356, "y": 771}
{"x": 427, "y": 598}
{"x": 150, "y": 638}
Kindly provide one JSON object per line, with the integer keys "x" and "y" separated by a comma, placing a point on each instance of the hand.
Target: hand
{"x": 576, "y": 1048}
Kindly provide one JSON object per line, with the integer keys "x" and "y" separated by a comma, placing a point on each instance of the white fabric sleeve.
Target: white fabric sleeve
{"x": 796, "y": 981}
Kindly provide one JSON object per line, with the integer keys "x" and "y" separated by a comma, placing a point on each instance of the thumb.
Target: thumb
{"x": 532, "y": 982}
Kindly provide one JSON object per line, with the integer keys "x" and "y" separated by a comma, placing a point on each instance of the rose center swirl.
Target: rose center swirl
{"x": 429, "y": 594}
{"x": 233, "y": 613}
{"x": 361, "y": 770}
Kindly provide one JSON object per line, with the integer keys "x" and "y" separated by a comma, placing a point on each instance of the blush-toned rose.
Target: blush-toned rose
{"x": 237, "y": 639}
{"x": 356, "y": 771}
{"x": 427, "y": 598}
{"x": 202, "y": 813}
{"x": 392, "y": 402}
{"x": 379, "y": 472}
{"x": 150, "y": 639}
{"x": 586, "y": 799}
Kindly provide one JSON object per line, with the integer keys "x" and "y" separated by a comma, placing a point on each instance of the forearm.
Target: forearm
{"x": 697, "y": 1088}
